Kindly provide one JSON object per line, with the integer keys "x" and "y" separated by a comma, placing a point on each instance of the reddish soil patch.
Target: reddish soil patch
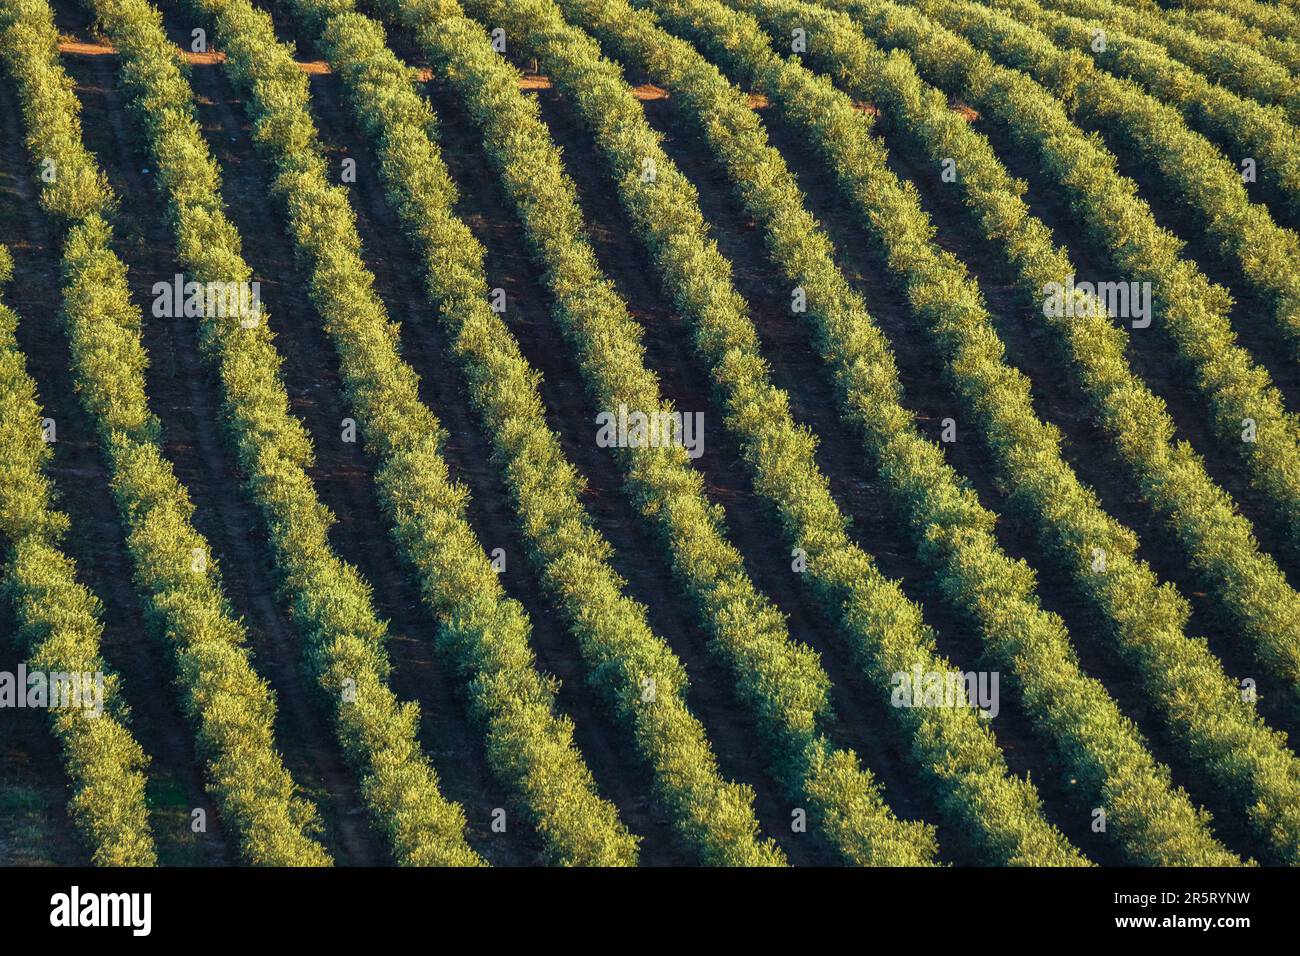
{"x": 79, "y": 48}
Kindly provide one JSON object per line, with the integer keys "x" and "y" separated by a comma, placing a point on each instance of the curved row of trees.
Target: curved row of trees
{"x": 1212, "y": 24}
{"x": 329, "y": 602}
{"x": 782, "y": 682}
{"x": 1219, "y": 542}
{"x": 1147, "y": 619}
{"x": 59, "y": 626}
{"x": 606, "y": 338}
{"x": 1271, "y": 19}
{"x": 232, "y": 708}
{"x": 1237, "y": 66}
{"x": 1241, "y": 127}
{"x": 1191, "y": 310}
{"x": 1112, "y": 766}
{"x": 529, "y": 745}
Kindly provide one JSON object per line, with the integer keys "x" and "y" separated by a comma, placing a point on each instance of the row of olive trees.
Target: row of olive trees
{"x": 329, "y": 601}
{"x": 232, "y": 708}
{"x": 1241, "y": 127}
{"x": 782, "y": 682}
{"x": 1203, "y": 707}
{"x": 59, "y": 626}
{"x": 1271, "y": 19}
{"x": 1233, "y": 65}
{"x": 1219, "y": 542}
{"x": 634, "y": 670}
{"x": 881, "y": 625}
{"x": 770, "y": 195}
{"x": 1100, "y": 749}
{"x": 1216, "y": 23}
{"x": 484, "y": 633}
{"x": 1189, "y": 309}
{"x": 953, "y": 748}
{"x": 666, "y": 216}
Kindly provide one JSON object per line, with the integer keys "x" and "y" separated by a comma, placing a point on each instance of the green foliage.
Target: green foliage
{"x": 1223, "y": 59}
{"x": 328, "y": 599}
{"x": 1188, "y": 307}
{"x": 715, "y": 817}
{"x": 666, "y": 216}
{"x": 1205, "y": 711}
{"x": 1219, "y": 541}
{"x": 232, "y": 708}
{"x": 1151, "y": 820}
{"x": 1186, "y": 163}
{"x": 1215, "y": 24}
{"x": 529, "y": 746}
{"x": 1271, "y": 19}
{"x": 787, "y": 689}
{"x": 59, "y": 624}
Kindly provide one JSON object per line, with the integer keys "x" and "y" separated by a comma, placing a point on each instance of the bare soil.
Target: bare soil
{"x": 34, "y": 825}
{"x": 185, "y": 396}
{"x": 1035, "y": 350}
{"x": 856, "y": 484}
{"x": 96, "y": 541}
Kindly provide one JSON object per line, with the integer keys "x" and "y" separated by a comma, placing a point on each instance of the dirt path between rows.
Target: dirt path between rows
{"x": 1034, "y": 349}
{"x": 639, "y": 557}
{"x": 620, "y": 775}
{"x": 186, "y": 398}
{"x": 1151, "y": 353}
{"x": 343, "y": 479}
{"x": 175, "y": 780}
{"x": 1087, "y": 449}
{"x": 855, "y": 483}
{"x": 312, "y": 375}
